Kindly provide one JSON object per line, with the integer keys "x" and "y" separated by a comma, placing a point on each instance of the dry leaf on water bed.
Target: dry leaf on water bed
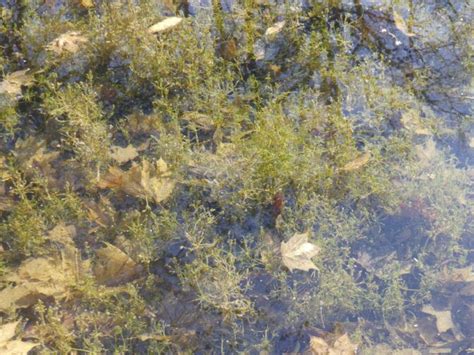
{"x": 88, "y": 4}
{"x": 401, "y": 25}
{"x": 6, "y": 201}
{"x": 35, "y": 159}
{"x": 113, "y": 267}
{"x": 36, "y": 278}
{"x": 198, "y": 120}
{"x": 426, "y": 152}
{"x": 411, "y": 122}
{"x": 444, "y": 321}
{"x": 342, "y": 346}
{"x": 165, "y": 25}
{"x": 123, "y": 155}
{"x": 101, "y": 213}
{"x": 67, "y": 42}
{"x": 357, "y": 163}
{"x": 9, "y": 346}
{"x": 297, "y": 253}
{"x": 275, "y": 29}
{"x": 143, "y": 181}
{"x": 12, "y": 83}
{"x": 42, "y": 277}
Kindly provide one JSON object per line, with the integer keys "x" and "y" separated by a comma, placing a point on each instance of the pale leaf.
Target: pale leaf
{"x": 275, "y": 28}
{"x": 165, "y": 25}
{"x": 16, "y": 347}
{"x": 88, "y": 4}
{"x": 297, "y": 253}
{"x": 113, "y": 267}
{"x": 357, "y": 163}
{"x": 69, "y": 42}
{"x": 63, "y": 234}
{"x": 318, "y": 346}
{"x": 36, "y": 278}
{"x": 12, "y": 83}
{"x": 411, "y": 122}
{"x": 123, "y": 155}
{"x": 7, "y": 331}
{"x": 401, "y": 25}
{"x": 426, "y": 152}
{"x": 444, "y": 321}
{"x": 343, "y": 346}
{"x": 143, "y": 180}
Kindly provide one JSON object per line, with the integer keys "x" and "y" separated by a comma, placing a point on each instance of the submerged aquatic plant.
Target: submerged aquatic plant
{"x": 168, "y": 157}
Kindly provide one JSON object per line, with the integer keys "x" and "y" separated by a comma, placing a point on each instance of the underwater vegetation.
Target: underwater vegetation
{"x": 255, "y": 176}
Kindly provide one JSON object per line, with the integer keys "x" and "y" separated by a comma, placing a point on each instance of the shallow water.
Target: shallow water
{"x": 396, "y": 239}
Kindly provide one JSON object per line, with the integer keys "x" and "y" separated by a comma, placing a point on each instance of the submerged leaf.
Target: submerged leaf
{"x": 275, "y": 28}
{"x": 297, "y": 253}
{"x": 12, "y": 83}
{"x": 7, "y": 331}
{"x": 426, "y": 152}
{"x": 165, "y": 25}
{"x": 342, "y": 346}
{"x": 401, "y": 25}
{"x": 142, "y": 181}
{"x": 123, "y": 155}
{"x": 69, "y": 42}
{"x": 36, "y": 278}
{"x": 357, "y": 163}
{"x": 411, "y": 122}
{"x": 10, "y": 346}
{"x": 88, "y": 4}
{"x": 113, "y": 267}
{"x": 444, "y": 321}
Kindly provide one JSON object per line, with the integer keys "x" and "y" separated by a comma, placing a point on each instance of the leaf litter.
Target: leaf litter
{"x": 165, "y": 25}
{"x": 9, "y": 345}
{"x": 122, "y": 155}
{"x": 13, "y": 82}
{"x": 48, "y": 276}
{"x": 145, "y": 180}
{"x": 113, "y": 267}
{"x": 297, "y": 253}
{"x": 342, "y": 345}
{"x": 69, "y": 42}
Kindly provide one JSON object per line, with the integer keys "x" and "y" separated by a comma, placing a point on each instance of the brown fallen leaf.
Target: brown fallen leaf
{"x": 113, "y": 267}
{"x": 143, "y": 180}
{"x": 426, "y": 152}
{"x": 69, "y": 42}
{"x": 88, "y": 4}
{"x": 6, "y": 201}
{"x": 12, "y": 83}
{"x": 123, "y": 155}
{"x": 357, "y": 163}
{"x": 401, "y": 25}
{"x": 275, "y": 29}
{"x": 63, "y": 234}
{"x": 411, "y": 122}
{"x": 35, "y": 159}
{"x": 444, "y": 321}
{"x": 36, "y": 278}
{"x": 200, "y": 121}
{"x": 341, "y": 346}
{"x": 165, "y": 25}
{"x": 101, "y": 213}
{"x": 10, "y": 346}
{"x": 297, "y": 253}
{"x": 7, "y": 331}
